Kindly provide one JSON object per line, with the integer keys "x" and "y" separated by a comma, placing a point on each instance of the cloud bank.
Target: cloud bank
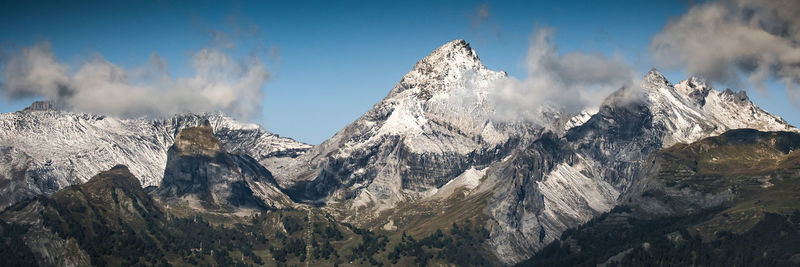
{"x": 565, "y": 83}
{"x": 220, "y": 83}
{"x": 724, "y": 40}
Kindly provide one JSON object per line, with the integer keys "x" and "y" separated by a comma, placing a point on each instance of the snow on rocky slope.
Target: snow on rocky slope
{"x": 44, "y": 150}
{"x": 692, "y": 110}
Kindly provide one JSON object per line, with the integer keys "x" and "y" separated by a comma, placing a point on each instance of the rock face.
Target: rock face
{"x": 44, "y": 150}
{"x": 199, "y": 169}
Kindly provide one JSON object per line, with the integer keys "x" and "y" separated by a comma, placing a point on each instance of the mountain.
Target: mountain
{"x": 44, "y": 150}
{"x": 564, "y": 181}
{"x": 412, "y": 142}
{"x": 200, "y": 171}
{"x": 434, "y": 135}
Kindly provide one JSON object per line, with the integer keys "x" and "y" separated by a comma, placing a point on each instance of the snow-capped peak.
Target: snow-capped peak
{"x": 41, "y": 106}
{"x": 455, "y": 52}
{"x": 439, "y": 70}
{"x": 691, "y": 109}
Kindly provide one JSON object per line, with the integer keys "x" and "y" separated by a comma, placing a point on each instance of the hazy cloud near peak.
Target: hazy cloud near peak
{"x": 34, "y": 72}
{"x": 723, "y": 40}
{"x": 567, "y": 83}
{"x": 479, "y": 16}
{"x": 480, "y": 20}
{"x": 220, "y": 82}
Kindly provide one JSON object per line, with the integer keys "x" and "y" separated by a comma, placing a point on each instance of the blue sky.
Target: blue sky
{"x": 331, "y": 61}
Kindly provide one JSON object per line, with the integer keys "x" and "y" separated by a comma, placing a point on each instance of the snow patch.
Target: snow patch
{"x": 407, "y": 119}
{"x": 389, "y": 226}
{"x": 469, "y": 179}
{"x": 581, "y": 118}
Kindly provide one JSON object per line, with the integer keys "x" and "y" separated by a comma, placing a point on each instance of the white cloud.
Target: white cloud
{"x": 723, "y": 40}
{"x": 34, "y": 72}
{"x": 220, "y": 82}
{"x": 565, "y": 83}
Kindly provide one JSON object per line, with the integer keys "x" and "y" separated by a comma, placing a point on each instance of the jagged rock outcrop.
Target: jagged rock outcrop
{"x": 200, "y": 172}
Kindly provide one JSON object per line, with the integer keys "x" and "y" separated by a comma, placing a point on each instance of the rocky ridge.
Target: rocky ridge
{"x": 47, "y": 149}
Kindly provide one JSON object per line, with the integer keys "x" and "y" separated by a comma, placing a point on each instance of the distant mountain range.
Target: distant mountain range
{"x": 422, "y": 178}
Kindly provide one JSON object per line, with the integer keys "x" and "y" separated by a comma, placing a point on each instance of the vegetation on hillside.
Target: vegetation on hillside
{"x": 618, "y": 239}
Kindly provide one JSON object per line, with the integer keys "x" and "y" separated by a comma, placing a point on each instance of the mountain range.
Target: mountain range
{"x": 427, "y": 176}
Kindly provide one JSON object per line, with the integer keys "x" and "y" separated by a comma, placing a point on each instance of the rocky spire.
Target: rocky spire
{"x": 654, "y": 77}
